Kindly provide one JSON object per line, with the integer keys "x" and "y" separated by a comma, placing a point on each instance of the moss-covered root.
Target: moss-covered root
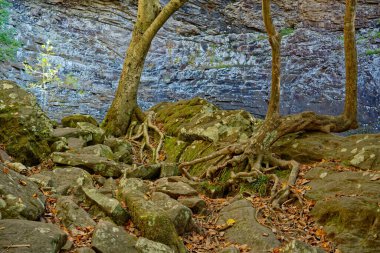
{"x": 152, "y": 221}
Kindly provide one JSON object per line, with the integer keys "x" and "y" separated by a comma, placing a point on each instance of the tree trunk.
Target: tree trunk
{"x": 350, "y": 107}
{"x": 150, "y": 18}
{"x": 275, "y": 126}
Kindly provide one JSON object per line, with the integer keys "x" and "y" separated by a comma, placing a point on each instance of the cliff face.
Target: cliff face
{"x": 214, "y": 49}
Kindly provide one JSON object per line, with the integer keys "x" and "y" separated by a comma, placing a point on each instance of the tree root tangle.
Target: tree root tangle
{"x": 143, "y": 132}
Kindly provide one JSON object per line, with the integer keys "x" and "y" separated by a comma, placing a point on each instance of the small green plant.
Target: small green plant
{"x": 47, "y": 75}
{"x": 44, "y": 71}
{"x": 8, "y": 44}
{"x": 372, "y": 51}
{"x": 259, "y": 186}
{"x": 286, "y": 31}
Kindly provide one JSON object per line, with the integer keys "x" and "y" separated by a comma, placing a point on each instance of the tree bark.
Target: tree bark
{"x": 150, "y": 18}
{"x": 350, "y": 107}
{"x": 275, "y": 42}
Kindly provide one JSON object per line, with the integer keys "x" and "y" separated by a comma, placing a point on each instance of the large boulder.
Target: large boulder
{"x": 362, "y": 151}
{"x": 197, "y": 119}
{"x": 347, "y": 204}
{"x": 96, "y": 164}
{"x": 35, "y": 237}
{"x": 174, "y": 189}
{"x": 110, "y": 206}
{"x": 122, "y": 149}
{"x": 71, "y": 215}
{"x": 64, "y": 180}
{"x": 109, "y": 238}
{"x": 20, "y": 197}
{"x": 247, "y": 230}
{"x": 72, "y": 120}
{"x": 178, "y": 213}
{"x": 144, "y": 245}
{"x": 152, "y": 221}
{"x": 25, "y": 129}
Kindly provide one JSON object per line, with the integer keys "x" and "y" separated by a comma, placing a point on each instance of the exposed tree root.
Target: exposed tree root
{"x": 249, "y": 157}
{"x": 143, "y": 132}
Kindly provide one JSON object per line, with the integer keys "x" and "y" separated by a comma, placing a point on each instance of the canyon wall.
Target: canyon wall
{"x": 213, "y": 49}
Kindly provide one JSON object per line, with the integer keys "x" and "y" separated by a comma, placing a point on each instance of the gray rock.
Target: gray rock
{"x": 131, "y": 184}
{"x": 72, "y": 120}
{"x": 296, "y": 246}
{"x": 152, "y": 221}
{"x": 361, "y": 151}
{"x": 127, "y": 184}
{"x": 66, "y": 180}
{"x": 174, "y": 189}
{"x": 109, "y": 205}
{"x": 122, "y": 149}
{"x": 17, "y": 192}
{"x": 96, "y": 150}
{"x": 109, "y": 238}
{"x": 196, "y": 204}
{"x": 60, "y": 146}
{"x": 42, "y": 180}
{"x": 18, "y": 167}
{"x": 69, "y": 132}
{"x": 180, "y": 215}
{"x": 144, "y": 171}
{"x": 144, "y": 245}
{"x": 97, "y": 132}
{"x": 99, "y": 165}
{"x": 347, "y": 206}
{"x": 247, "y": 230}
{"x": 25, "y": 129}
{"x": 75, "y": 143}
{"x": 71, "y": 215}
{"x": 169, "y": 170}
{"x": 109, "y": 187}
{"x": 42, "y": 237}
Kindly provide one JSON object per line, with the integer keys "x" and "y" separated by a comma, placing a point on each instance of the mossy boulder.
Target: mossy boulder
{"x": 71, "y": 215}
{"x": 197, "y": 119}
{"x": 152, "y": 221}
{"x": 246, "y": 229}
{"x": 72, "y": 120}
{"x": 347, "y": 204}
{"x": 361, "y": 151}
{"x": 96, "y": 164}
{"x": 16, "y": 196}
{"x": 42, "y": 237}
{"x": 109, "y": 238}
{"x": 121, "y": 148}
{"x": 25, "y": 129}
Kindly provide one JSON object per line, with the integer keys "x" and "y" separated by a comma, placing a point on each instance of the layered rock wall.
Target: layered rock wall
{"x": 213, "y": 49}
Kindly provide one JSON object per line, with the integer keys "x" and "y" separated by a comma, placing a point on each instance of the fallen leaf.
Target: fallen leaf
{"x": 230, "y": 222}
{"x": 22, "y": 182}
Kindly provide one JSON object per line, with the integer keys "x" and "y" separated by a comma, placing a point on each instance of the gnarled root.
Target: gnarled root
{"x": 143, "y": 132}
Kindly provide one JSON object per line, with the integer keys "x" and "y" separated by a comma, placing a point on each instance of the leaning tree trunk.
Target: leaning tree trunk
{"x": 150, "y": 18}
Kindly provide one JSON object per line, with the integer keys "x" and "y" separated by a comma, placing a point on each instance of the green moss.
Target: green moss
{"x": 195, "y": 150}
{"x": 282, "y": 173}
{"x": 259, "y": 186}
{"x": 372, "y": 51}
{"x": 286, "y": 31}
{"x": 174, "y": 149}
{"x": 8, "y": 45}
{"x": 212, "y": 189}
